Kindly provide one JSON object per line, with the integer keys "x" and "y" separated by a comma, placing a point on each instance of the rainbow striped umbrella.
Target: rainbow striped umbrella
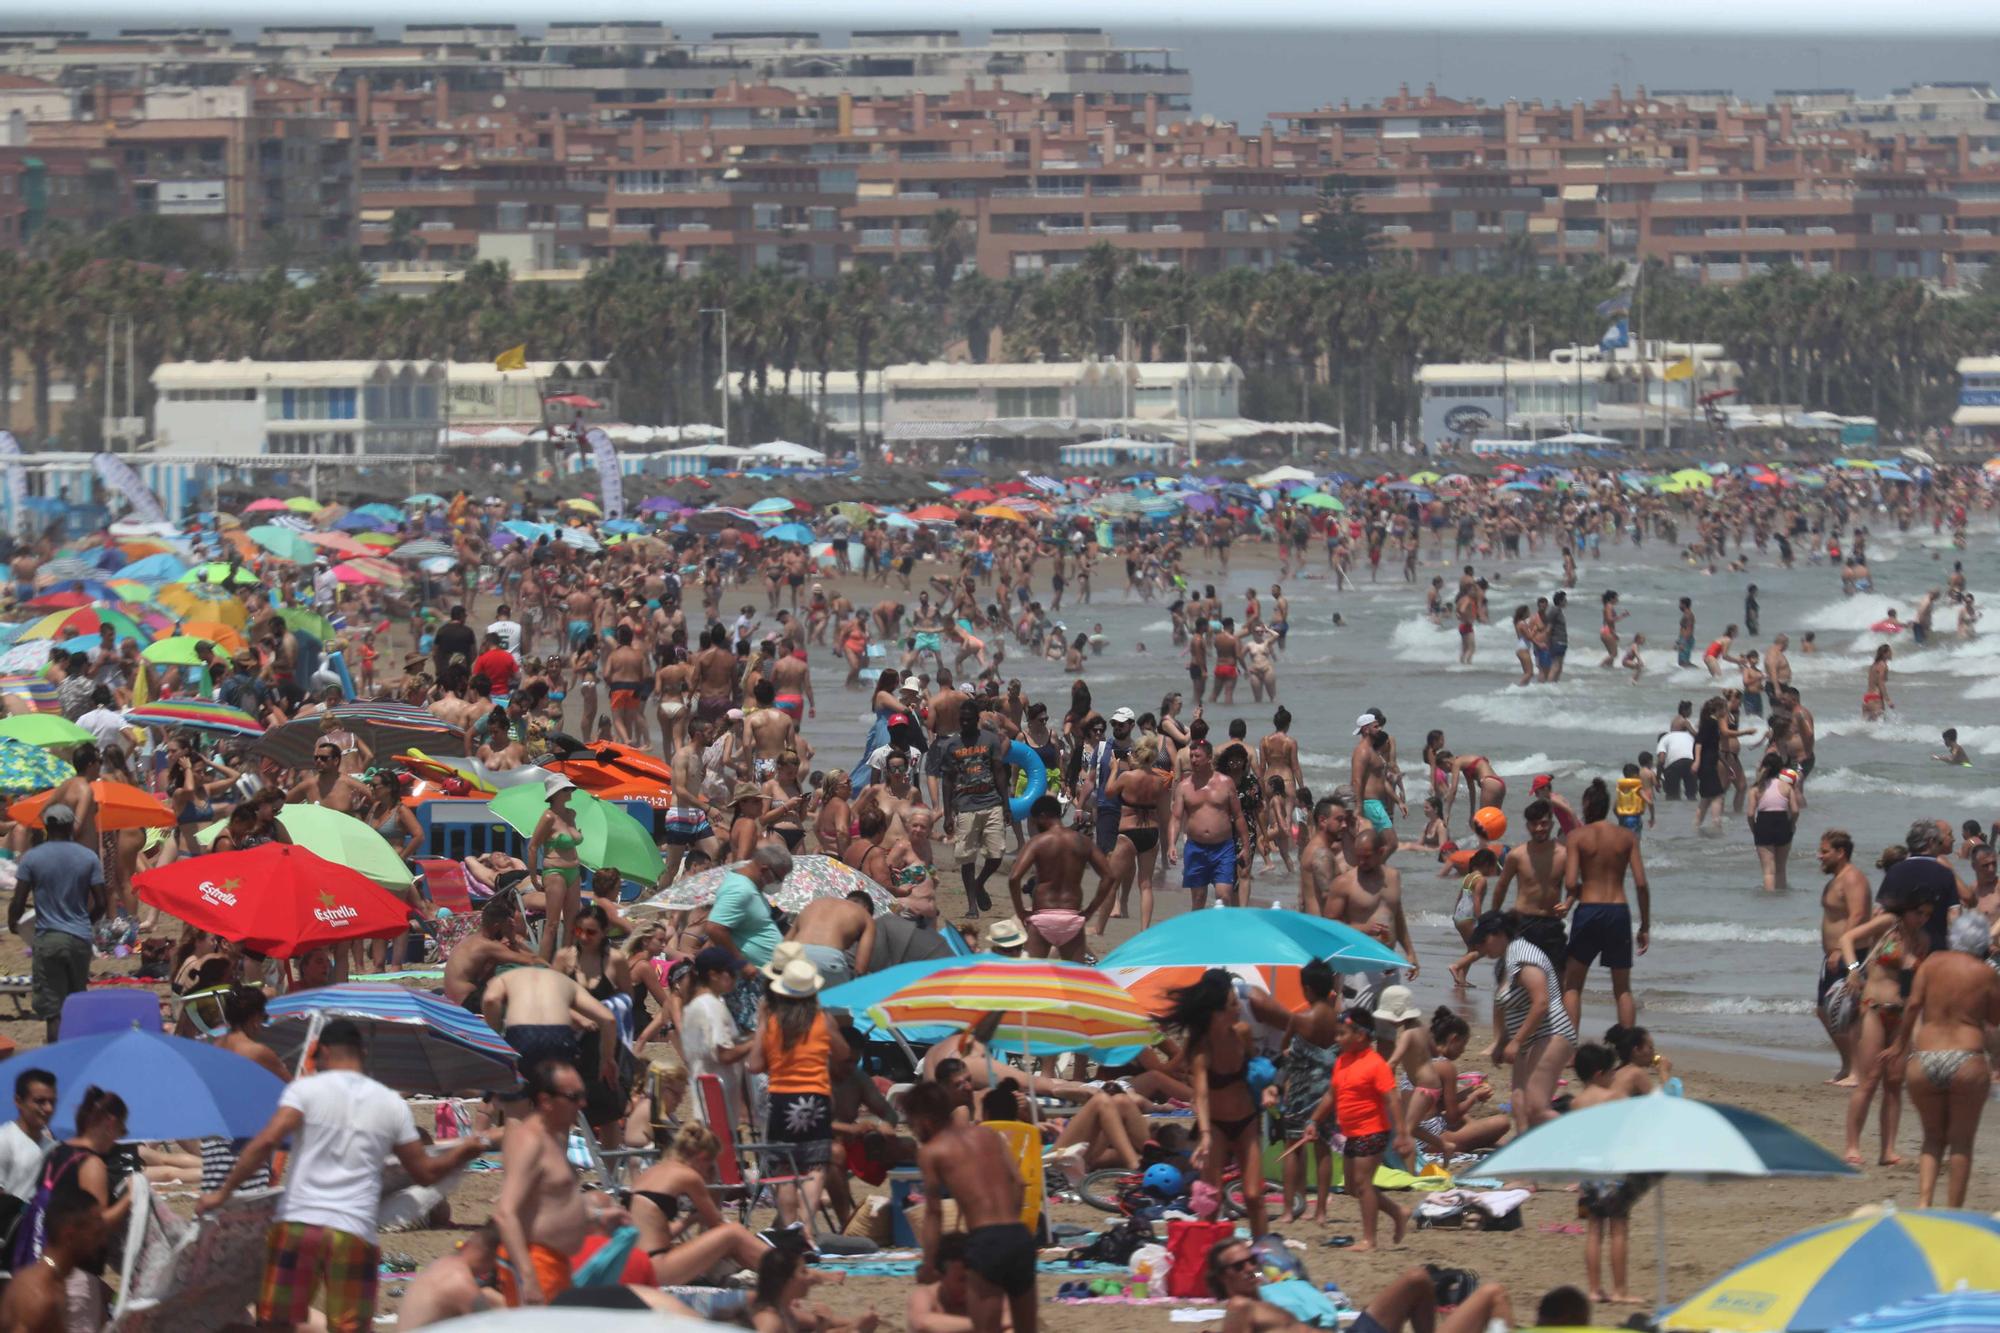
{"x": 84, "y": 620}
{"x": 29, "y": 694}
{"x": 1049, "y": 1006}
{"x": 200, "y": 714}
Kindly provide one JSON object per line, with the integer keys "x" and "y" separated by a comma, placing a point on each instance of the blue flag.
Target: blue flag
{"x": 1616, "y": 336}
{"x": 1617, "y": 305}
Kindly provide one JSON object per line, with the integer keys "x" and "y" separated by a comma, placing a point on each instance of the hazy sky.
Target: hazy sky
{"x": 1290, "y": 55}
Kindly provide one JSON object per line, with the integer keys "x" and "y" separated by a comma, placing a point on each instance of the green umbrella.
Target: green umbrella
{"x": 338, "y": 837}
{"x": 44, "y": 729}
{"x": 26, "y": 769}
{"x": 176, "y": 651}
{"x": 285, "y": 544}
{"x": 313, "y": 623}
{"x": 1320, "y": 500}
{"x": 611, "y": 837}
{"x": 218, "y": 572}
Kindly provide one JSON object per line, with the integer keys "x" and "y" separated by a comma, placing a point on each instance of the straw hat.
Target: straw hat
{"x": 1007, "y": 933}
{"x": 1396, "y": 1005}
{"x": 745, "y": 791}
{"x": 785, "y": 954}
{"x": 799, "y": 981}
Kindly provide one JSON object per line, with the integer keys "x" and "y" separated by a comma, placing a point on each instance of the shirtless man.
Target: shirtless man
{"x": 626, "y": 676}
{"x": 454, "y": 1284}
{"x": 1057, "y": 856}
{"x": 1843, "y": 905}
{"x": 715, "y": 677}
{"x": 1538, "y": 865}
{"x": 1369, "y": 897}
{"x": 536, "y": 1010}
{"x": 1224, "y": 643}
{"x": 540, "y": 1214}
{"x": 838, "y": 935}
{"x": 1206, "y": 809}
{"x": 1372, "y": 781}
{"x": 1281, "y": 611}
{"x": 328, "y": 786}
{"x": 1598, "y": 855}
{"x": 791, "y": 677}
{"x": 495, "y": 943}
{"x": 1777, "y": 669}
{"x": 1323, "y": 859}
{"x": 769, "y": 731}
{"x": 686, "y": 823}
{"x": 976, "y": 1168}
{"x": 581, "y": 608}
{"x": 1235, "y": 1275}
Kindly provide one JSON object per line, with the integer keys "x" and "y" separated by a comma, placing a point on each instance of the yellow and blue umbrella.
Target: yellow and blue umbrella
{"x": 1820, "y": 1278}
{"x": 26, "y": 769}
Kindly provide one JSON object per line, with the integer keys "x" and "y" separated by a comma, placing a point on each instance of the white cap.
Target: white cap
{"x": 913, "y": 685}
{"x": 1365, "y": 721}
{"x": 1124, "y": 715}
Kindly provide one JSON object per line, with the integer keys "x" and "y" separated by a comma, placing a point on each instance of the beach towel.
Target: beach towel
{"x": 179, "y": 1274}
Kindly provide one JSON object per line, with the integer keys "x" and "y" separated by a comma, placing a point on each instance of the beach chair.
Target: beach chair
{"x": 770, "y": 1164}
{"x": 20, "y": 988}
{"x": 93, "y": 1011}
{"x": 1025, "y": 1141}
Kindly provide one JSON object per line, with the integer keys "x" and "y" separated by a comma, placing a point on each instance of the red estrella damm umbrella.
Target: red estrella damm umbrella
{"x": 277, "y": 899}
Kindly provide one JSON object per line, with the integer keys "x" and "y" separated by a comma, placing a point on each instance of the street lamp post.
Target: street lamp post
{"x": 1125, "y": 367}
{"x": 1187, "y": 349}
{"x": 724, "y": 312}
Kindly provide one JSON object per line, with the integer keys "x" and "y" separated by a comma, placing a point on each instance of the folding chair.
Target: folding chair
{"x": 746, "y": 1186}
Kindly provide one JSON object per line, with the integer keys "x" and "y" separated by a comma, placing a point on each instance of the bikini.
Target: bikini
{"x": 1940, "y": 1067}
{"x": 1143, "y": 839}
{"x": 1216, "y": 1079}
{"x": 562, "y": 842}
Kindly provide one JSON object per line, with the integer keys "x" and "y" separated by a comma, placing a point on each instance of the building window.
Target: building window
{"x": 911, "y": 394}
{"x": 1031, "y": 402}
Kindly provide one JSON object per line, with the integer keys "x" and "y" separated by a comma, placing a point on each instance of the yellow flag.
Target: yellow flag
{"x": 514, "y": 358}
{"x": 1682, "y": 369}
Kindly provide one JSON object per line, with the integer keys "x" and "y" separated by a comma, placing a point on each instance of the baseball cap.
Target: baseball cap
{"x": 1365, "y": 721}
{"x": 1542, "y": 782}
{"x": 1124, "y": 715}
{"x": 716, "y": 959}
{"x": 57, "y": 812}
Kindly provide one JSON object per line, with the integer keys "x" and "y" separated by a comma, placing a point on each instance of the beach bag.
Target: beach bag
{"x": 1189, "y": 1244}
{"x": 30, "y": 1232}
{"x": 1116, "y": 1244}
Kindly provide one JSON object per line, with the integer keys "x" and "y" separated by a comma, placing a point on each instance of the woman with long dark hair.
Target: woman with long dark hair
{"x": 1774, "y": 813}
{"x": 1219, "y": 1050}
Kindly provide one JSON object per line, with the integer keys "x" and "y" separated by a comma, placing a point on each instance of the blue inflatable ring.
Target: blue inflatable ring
{"x": 1025, "y": 759}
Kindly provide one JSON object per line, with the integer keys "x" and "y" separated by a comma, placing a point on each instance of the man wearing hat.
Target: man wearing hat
{"x": 64, "y": 883}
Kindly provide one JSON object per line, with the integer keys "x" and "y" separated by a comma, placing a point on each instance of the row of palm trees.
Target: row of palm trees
{"x": 1329, "y": 343}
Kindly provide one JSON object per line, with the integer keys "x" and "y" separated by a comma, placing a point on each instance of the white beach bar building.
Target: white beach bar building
{"x": 318, "y": 409}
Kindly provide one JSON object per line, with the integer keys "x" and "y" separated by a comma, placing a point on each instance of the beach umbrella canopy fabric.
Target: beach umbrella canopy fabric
{"x": 157, "y": 568}
{"x": 221, "y": 574}
{"x": 222, "y": 636}
{"x": 1268, "y": 938}
{"x": 797, "y": 534}
{"x": 285, "y": 544}
{"x": 179, "y": 650}
{"x": 44, "y": 729}
{"x": 564, "y": 1321}
{"x": 1818, "y": 1279}
{"x": 84, "y": 620}
{"x": 197, "y": 714}
{"x": 1961, "y": 1311}
{"x": 173, "y": 1088}
{"x": 28, "y": 694}
{"x": 418, "y": 1043}
{"x": 119, "y": 806}
{"x": 611, "y": 837}
{"x": 774, "y": 504}
{"x": 276, "y": 899}
{"x": 813, "y": 877}
{"x": 1320, "y": 500}
{"x": 1045, "y": 1005}
{"x": 386, "y": 727}
{"x": 28, "y": 768}
{"x": 203, "y": 601}
{"x": 340, "y": 838}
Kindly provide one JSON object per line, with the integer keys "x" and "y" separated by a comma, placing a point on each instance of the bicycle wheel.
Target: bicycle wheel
{"x": 1103, "y": 1189}
{"x": 1232, "y": 1199}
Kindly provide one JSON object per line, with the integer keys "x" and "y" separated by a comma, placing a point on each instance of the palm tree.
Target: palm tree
{"x": 862, "y": 310}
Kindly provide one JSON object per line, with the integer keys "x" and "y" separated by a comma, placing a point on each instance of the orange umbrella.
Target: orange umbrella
{"x": 934, "y": 513}
{"x": 217, "y": 633}
{"x": 119, "y": 806}
{"x": 1000, "y": 511}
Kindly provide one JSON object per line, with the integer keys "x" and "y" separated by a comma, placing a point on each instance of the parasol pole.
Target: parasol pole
{"x": 1660, "y": 1218}
{"x": 1027, "y": 1062}
{"x": 313, "y": 1025}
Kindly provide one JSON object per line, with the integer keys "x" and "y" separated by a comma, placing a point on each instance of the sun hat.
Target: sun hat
{"x": 784, "y": 954}
{"x": 912, "y": 684}
{"x": 745, "y": 791}
{"x": 799, "y": 981}
{"x": 1395, "y": 1005}
{"x": 1007, "y": 933}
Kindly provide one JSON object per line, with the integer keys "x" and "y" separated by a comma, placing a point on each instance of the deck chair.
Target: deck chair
{"x": 612, "y": 1165}
{"x": 1026, "y": 1143}
{"x": 772, "y": 1164}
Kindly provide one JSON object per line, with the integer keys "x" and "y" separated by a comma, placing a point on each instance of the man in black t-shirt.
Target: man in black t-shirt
{"x": 454, "y": 639}
{"x": 1921, "y": 875}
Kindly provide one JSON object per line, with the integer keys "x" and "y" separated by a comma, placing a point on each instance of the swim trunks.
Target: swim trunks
{"x": 1225, "y": 671}
{"x": 1003, "y": 1255}
{"x": 794, "y": 704}
{"x": 1377, "y": 814}
{"x": 579, "y": 633}
{"x": 685, "y": 825}
{"x": 1206, "y": 863}
{"x": 1546, "y": 933}
{"x": 543, "y": 1041}
{"x": 1601, "y": 931}
{"x": 835, "y": 965}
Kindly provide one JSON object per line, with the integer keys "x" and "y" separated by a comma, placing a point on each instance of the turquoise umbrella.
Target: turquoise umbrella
{"x": 284, "y": 543}
{"x": 797, "y": 534}
{"x": 157, "y": 568}
{"x": 1262, "y": 939}
{"x": 776, "y": 504}
{"x": 26, "y": 769}
{"x": 611, "y": 837}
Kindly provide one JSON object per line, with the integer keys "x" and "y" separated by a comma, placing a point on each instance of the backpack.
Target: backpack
{"x": 1115, "y": 1244}
{"x": 30, "y": 1232}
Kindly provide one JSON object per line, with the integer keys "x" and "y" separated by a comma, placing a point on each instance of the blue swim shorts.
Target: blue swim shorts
{"x": 1206, "y": 863}
{"x": 1378, "y": 815}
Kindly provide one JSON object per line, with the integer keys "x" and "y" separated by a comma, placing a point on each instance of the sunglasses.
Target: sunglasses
{"x": 1247, "y": 1261}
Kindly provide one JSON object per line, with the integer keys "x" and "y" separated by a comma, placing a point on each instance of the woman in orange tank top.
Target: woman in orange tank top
{"x": 796, "y": 1047}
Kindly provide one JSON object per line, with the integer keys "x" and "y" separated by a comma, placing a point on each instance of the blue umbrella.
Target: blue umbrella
{"x": 773, "y": 504}
{"x": 623, "y": 526}
{"x": 360, "y": 522}
{"x": 898, "y": 519}
{"x": 1522, "y": 486}
{"x": 797, "y": 534}
{"x": 527, "y": 531}
{"x": 158, "y": 568}
{"x": 1962, "y": 1311}
{"x": 1271, "y": 938}
{"x": 1894, "y": 474}
{"x": 173, "y": 1088}
{"x": 417, "y": 1043}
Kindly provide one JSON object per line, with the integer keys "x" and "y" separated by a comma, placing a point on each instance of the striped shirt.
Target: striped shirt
{"x": 1515, "y": 1001}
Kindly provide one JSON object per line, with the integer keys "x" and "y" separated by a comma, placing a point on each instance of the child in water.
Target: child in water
{"x": 1632, "y": 661}
{"x": 1954, "y": 753}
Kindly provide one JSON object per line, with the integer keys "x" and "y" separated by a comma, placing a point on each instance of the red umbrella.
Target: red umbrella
{"x": 977, "y": 495}
{"x": 278, "y": 899}
{"x": 59, "y": 601}
{"x": 1011, "y": 488}
{"x": 573, "y": 400}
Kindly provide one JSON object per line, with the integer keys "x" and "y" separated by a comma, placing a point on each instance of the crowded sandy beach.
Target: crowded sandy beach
{"x": 1017, "y": 899}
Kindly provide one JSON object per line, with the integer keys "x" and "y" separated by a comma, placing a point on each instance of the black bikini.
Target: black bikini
{"x": 1232, "y": 1128}
{"x": 1143, "y": 840}
{"x": 669, "y": 1206}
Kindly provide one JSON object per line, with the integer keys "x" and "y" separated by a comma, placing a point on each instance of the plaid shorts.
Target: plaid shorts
{"x": 301, "y": 1260}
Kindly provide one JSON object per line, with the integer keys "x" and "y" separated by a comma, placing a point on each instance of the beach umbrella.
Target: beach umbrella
{"x": 934, "y": 513}
{"x": 851, "y": 510}
{"x": 1320, "y": 500}
{"x": 302, "y": 618}
{"x": 1046, "y": 1005}
{"x": 28, "y": 768}
{"x": 1278, "y": 938}
{"x": 611, "y": 837}
{"x": 1963, "y": 1310}
{"x": 196, "y": 714}
{"x": 222, "y": 573}
{"x": 583, "y": 506}
{"x": 173, "y": 1088}
{"x": 1002, "y": 512}
{"x": 30, "y": 656}
{"x": 277, "y": 899}
{"x": 974, "y": 495}
{"x": 386, "y": 727}
{"x": 83, "y": 620}
{"x": 424, "y": 498}
{"x": 27, "y": 694}
{"x": 422, "y": 549}
{"x": 44, "y": 729}
{"x": 381, "y": 513}
{"x": 158, "y": 568}
{"x": 285, "y": 544}
{"x": 179, "y": 650}
{"x": 303, "y": 504}
{"x": 120, "y": 805}
{"x": 797, "y": 534}
{"x": 369, "y": 570}
{"x": 340, "y": 838}
{"x": 526, "y": 531}
{"x": 1426, "y": 478}
{"x": 1819, "y": 1278}
{"x": 813, "y": 877}
{"x": 337, "y": 542}
{"x": 1664, "y": 1136}
{"x": 217, "y": 633}
{"x": 776, "y": 504}
{"x": 1522, "y": 486}
{"x": 358, "y": 522}
{"x": 563, "y": 1321}
{"x": 66, "y": 599}
{"x": 578, "y": 538}
{"x": 860, "y": 995}
{"x": 203, "y": 601}
{"x": 67, "y": 569}
{"x": 418, "y": 1044}
{"x": 267, "y": 505}
{"x": 1197, "y": 503}
{"x": 379, "y": 542}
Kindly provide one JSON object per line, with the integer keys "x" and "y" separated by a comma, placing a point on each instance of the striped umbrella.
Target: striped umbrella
{"x": 386, "y": 728}
{"x": 1049, "y": 1005}
{"x": 198, "y": 714}
{"x": 84, "y": 620}
{"x": 422, "y": 549}
{"x": 1960, "y": 1311}
{"x": 28, "y": 694}
{"x": 370, "y": 569}
{"x": 417, "y": 1043}
{"x": 65, "y": 568}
